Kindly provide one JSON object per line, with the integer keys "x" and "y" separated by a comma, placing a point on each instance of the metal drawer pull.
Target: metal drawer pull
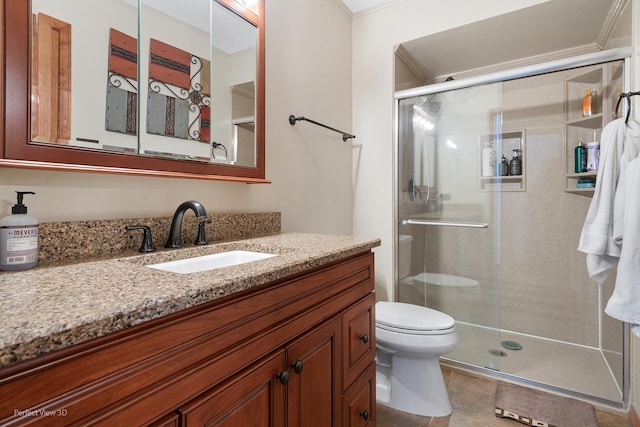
{"x": 364, "y": 338}
{"x": 365, "y": 415}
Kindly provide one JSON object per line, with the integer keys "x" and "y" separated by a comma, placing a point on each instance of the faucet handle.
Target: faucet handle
{"x": 202, "y": 238}
{"x": 147, "y": 240}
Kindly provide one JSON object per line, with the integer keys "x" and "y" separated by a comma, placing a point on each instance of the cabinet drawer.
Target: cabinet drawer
{"x": 358, "y": 332}
{"x": 359, "y": 402}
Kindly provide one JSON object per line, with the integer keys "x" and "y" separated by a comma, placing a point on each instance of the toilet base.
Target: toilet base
{"x": 413, "y": 385}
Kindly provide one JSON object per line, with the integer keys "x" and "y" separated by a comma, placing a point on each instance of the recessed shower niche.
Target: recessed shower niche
{"x": 502, "y": 162}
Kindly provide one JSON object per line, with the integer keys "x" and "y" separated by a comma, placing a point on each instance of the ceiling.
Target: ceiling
{"x": 567, "y": 27}
{"x": 360, "y": 5}
{"x": 229, "y": 32}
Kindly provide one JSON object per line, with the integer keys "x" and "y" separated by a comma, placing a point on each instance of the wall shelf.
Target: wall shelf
{"x": 606, "y": 81}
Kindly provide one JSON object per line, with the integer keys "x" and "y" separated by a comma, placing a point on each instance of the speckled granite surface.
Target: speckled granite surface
{"x": 81, "y": 240}
{"x": 49, "y": 308}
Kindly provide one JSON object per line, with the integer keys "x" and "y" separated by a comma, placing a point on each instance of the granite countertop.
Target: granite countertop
{"x": 49, "y": 308}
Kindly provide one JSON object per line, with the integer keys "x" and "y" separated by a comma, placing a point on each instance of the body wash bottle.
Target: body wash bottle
{"x": 587, "y": 107}
{"x": 580, "y": 158}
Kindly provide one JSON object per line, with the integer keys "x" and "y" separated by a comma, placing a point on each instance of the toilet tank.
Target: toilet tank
{"x": 404, "y": 255}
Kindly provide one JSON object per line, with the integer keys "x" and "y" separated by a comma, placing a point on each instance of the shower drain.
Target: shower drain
{"x": 497, "y": 353}
{"x": 511, "y": 345}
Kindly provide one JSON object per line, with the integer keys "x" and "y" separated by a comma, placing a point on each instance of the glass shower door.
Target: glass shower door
{"x": 449, "y": 152}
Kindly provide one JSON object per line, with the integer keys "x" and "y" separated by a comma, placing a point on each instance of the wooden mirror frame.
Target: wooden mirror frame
{"x": 17, "y": 151}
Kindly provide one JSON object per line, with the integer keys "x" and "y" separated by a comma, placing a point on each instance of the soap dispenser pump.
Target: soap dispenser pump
{"x": 18, "y": 238}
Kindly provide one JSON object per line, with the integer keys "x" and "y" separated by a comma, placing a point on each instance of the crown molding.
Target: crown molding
{"x": 613, "y": 16}
{"x": 410, "y": 62}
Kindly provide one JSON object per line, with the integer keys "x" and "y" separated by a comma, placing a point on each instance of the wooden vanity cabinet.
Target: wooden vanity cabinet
{"x": 253, "y": 397}
{"x": 288, "y": 353}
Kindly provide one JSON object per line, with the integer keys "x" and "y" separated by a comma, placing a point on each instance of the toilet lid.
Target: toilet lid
{"x": 411, "y": 317}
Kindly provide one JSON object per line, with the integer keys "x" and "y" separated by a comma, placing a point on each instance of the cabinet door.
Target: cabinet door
{"x": 171, "y": 420}
{"x": 255, "y": 397}
{"x": 359, "y": 404}
{"x": 358, "y": 334}
{"x": 313, "y": 395}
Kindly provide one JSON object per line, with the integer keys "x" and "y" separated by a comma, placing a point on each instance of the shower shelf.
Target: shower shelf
{"x": 605, "y": 81}
{"x": 502, "y": 183}
{"x": 581, "y": 191}
{"x": 504, "y": 143}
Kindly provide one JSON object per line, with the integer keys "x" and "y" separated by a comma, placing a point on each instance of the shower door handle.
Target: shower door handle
{"x": 446, "y": 223}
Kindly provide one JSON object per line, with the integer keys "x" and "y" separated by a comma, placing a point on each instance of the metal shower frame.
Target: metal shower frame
{"x": 623, "y": 53}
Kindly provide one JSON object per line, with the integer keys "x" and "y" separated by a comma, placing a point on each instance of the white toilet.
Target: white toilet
{"x": 410, "y": 340}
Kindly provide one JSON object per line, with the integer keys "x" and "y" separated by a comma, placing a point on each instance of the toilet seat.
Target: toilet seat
{"x": 412, "y": 319}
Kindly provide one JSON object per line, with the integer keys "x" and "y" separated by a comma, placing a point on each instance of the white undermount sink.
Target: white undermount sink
{"x": 211, "y": 262}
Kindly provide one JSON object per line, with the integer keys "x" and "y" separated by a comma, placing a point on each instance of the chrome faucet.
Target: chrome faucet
{"x": 175, "y": 232}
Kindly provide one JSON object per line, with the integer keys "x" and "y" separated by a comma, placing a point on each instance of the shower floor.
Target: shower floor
{"x": 570, "y": 367}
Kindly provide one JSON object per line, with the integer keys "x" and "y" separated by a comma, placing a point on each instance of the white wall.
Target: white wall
{"x": 374, "y": 36}
{"x": 308, "y": 73}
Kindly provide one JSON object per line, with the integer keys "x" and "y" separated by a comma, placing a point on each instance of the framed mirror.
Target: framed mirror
{"x": 158, "y": 87}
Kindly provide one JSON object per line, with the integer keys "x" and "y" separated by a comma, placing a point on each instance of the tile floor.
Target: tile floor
{"x": 472, "y": 397}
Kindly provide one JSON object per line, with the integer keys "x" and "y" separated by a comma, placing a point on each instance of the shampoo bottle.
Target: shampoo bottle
{"x": 18, "y": 238}
{"x": 488, "y": 160}
{"x": 515, "y": 165}
{"x": 593, "y": 154}
{"x": 587, "y": 109}
{"x": 580, "y": 158}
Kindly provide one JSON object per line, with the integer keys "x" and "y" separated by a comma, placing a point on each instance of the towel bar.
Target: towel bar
{"x": 293, "y": 119}
{"x": 446, "y": 223}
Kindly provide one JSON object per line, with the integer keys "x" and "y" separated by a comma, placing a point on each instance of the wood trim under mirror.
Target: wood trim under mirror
{"x": 17, "y": 151}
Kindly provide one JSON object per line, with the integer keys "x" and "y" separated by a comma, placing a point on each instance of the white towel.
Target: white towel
{"x": 611, "y": 232}
{"x": 630, "y": 152}
{"x": 596, "y": 239}
{"x": 624, "y": 303}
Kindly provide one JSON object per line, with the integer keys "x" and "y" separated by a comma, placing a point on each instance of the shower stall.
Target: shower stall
{"x": 489, "y": 211}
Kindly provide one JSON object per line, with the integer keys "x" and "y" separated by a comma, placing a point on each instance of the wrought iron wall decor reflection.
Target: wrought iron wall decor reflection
{"x": 122, "y": 84}
{"x": 178, "y": 101}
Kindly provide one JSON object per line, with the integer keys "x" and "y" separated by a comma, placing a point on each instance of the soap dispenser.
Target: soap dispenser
{"x": 515, "y": 165}
{"x": 504, "y": 166}
{"x": 18, "y": 238}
